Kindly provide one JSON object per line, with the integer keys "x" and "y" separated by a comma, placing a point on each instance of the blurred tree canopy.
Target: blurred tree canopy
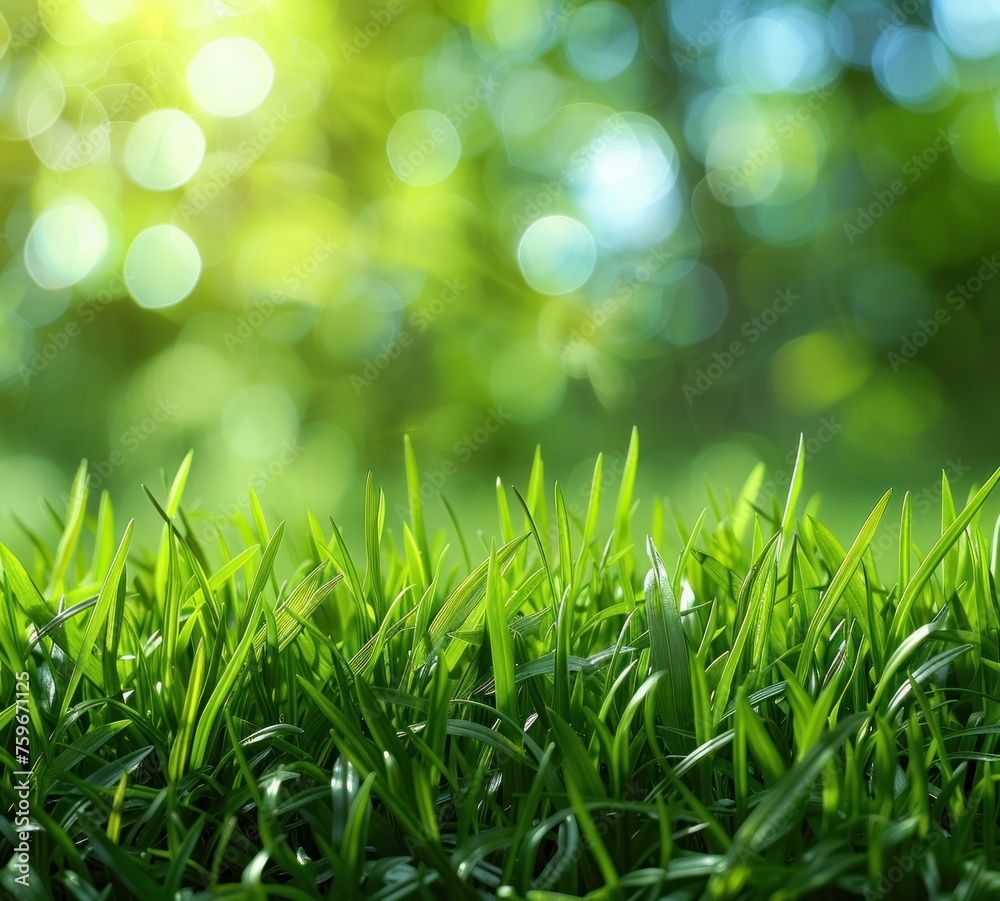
{"x": 287, "y": 233}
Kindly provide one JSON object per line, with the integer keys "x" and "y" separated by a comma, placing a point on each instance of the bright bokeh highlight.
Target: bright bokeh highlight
{"x": 162, "y": 267}
{"x": 230, "y": 76}
{"x": 163, "y": 150}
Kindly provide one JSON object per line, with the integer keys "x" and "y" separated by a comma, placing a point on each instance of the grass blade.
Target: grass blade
{"x": 668, "y": 650}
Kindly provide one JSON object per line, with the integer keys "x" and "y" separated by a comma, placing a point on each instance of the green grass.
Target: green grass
{"x": 746, "y": 708}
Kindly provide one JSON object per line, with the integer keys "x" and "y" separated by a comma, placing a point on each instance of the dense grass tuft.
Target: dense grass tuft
{"x": 742, "y": 709}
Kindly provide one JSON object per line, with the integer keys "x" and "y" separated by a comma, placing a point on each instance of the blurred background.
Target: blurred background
{"x": 287, "y": 233}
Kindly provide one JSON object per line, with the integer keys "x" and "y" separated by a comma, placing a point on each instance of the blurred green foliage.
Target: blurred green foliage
{"x": 287, "y": 233}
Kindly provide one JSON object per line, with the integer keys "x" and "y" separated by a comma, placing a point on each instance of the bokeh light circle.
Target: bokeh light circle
{"x": 978, "y": 153}
{"x": 24, "y": 304}
{"x": 163, "y": 150}
{"x": 162, "y": 266}
{"x": 636, "y": 168}
{"x": 694, "y": 304}
{"x": 237, "y": 7}
{"x": 65, "y": 243}
{"x": 74, "y": 141}
{"x": 698, "y": 24}
{"x": 557, "y": 255}
{"x": 530, "y": 99}
{"x": 784, "y": 49}
{"x": 914, "y": 68}
{"x": 31, "y": 94}
{"x": 69, "y": 25}
{"x": 711, "y": 110}
{"x": 258, "y": 421}
{"x": 111, "y": 11}
{"x": 525, "y": 28}
{"x": 745, "y": 162}
{"x": 230, "y": 76}
{"x": 193, "y": 13}
{"x": 814, "y": 371}
{"x": 423, "y": 147}
{"x": 855, "y": 28}
{"x": 787, "y": 222}
{"x": 970, "y": 28}
{"x": 601, "y": 40}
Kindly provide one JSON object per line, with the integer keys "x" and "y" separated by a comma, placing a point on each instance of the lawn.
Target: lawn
{"x": 613, "y": 705}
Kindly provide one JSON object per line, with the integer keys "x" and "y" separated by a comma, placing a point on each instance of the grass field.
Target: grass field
{"x": 550, "y": 710}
